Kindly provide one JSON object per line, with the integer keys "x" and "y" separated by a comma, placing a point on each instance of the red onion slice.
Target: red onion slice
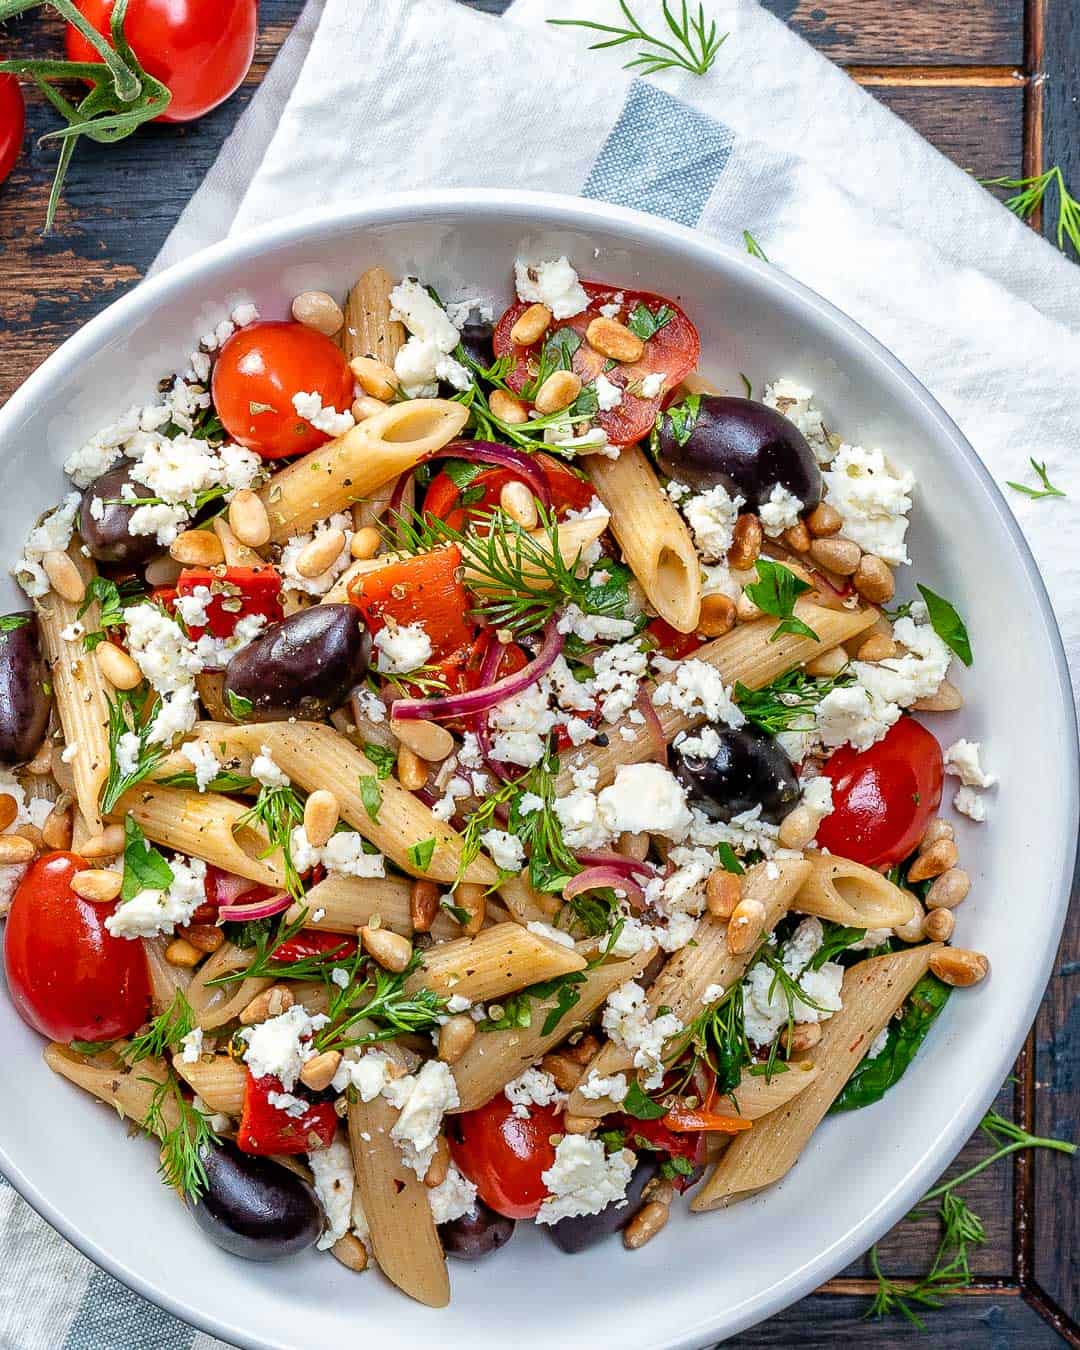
{"x": 652, "y": 724}
{"x": 229, "y": 888}
{"x": 259, "y": 909}
{"x": 595, "y": 878}
{"x": 489, "y": 671}
{"x": 488, "y": 452}
{"x": 627, "y": 866}
{"x": 480, "y": 700}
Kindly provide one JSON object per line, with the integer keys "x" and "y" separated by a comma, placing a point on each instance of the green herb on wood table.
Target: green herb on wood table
{"x": 693, "y": 46}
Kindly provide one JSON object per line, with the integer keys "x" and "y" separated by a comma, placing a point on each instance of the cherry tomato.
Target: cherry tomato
{"x": 673, "y": 351}
{"x": 670, "y": 641}
{"x": 443, "y": 497}
{"x": 69, "y": 977}
{"x": 257, "y": 373}
{"x": 257, "y": 588}
{"x": 503, "y": 1155}
{"x": 200, "y": 49}
{"x": 884, "y": 797}
{"x": 12, "y": 123}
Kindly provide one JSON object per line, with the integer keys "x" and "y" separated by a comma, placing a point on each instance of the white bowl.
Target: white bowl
{"x": 707, "y": 1276}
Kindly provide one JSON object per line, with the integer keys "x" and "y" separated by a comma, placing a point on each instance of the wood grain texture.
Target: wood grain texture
{"x": 980, "y": 129}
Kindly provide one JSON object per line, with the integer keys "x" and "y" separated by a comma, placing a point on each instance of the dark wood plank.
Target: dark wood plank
{"x": 980, "y": 129}
{"x": 1057, "y": 52}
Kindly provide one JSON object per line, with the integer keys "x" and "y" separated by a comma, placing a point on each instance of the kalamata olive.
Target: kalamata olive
{"x": 303, "y": 665}
{"x": 476, "y": 339}
{"x": 748, "y": 769}
{"x": 25, "y": 699}
{"x": 746, "y": 446}
{"x": 254, "y": 1207}
{"x": 476, "y": 1234}
{"x": 106, "y": 535}
{"x": 574, "y": 1235}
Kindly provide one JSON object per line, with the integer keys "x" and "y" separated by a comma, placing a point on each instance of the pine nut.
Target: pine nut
{"x": 746, "y": 541}
{"x": 745, "y": 925}
{"x": 472, "y": 899}
{"x": 723, "y": 891}
{"x": 316, "y": 309}
{"x": 365, "y": 542}
{"x": 912, "y": 930}
{"x": 320, "y": 555}
{"x": 99, "y": 885}
{"x": 117, "y": 667}
{"x": 507, "y": 408}
{"x": 423, "y": 905}
{"x": 41, "y": 764}
{"x": 745, "y": 609}
{"x": 936, "y": 859}
{"x": 390, "y": 950}
{"x": 271, "y": 1002}
{"x": 877, "y": 647}
{"x": 427, "y": 739}
{"x": 318, "y": 1072}
{"x": 717, "y": 615}
{"x": 584, "y": 1051}
{"x": 248, "y": 519}
{"x": 530, "y": 326}
{"x": 31, "y": 832}
{"x": 803, "y": 1036}
{"x": 797, "y": 538}
{"x": 181, "y": 953}
{"x": 322, "y": 811}
{"x": 823, "y": 520}
{"x": 572, "y": 1124}
{"x": 197, "y": 548}
{"x": 557, "y": 392}
{"x": 565, "y": 1072}
{"x": 9, "y": 810}
{"x": 959, "y": 967}
{"x": 840, "y": 556}
{"x": 874, "y": 580}
{"x": 207, "y": 937}
{"x": 374, "y": 377}
{"x": 439, "y": 1166}
{"x": 519, "y": 504}
{"x": 828, "y": 663}
{"x": 455, "y": 1037}
{"x": 351, "y": 1252}
{"x": 365, "y": 406}
{"x": 937, "y": 829}
{"x": 949, "y": 889}
{"x": 939, "y": 925}
{"x": 412, "y": 772}
{"x": 107, "y": 844}
{"x": 14, "y": 848}
{"x": 633, "y": 844}
{"x": 644, "y": 1226}
{"x": 658, "y": 1189}
{"x": 64, "y": 576}
{"x": 611, "y": 338}
{"x": 946, "y": 698}
{"x": 798, "y": 827}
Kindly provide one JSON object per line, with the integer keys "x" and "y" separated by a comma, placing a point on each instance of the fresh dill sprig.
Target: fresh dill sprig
{"x": 551, "y": 863}
{"x": 717, "y": 1038}
{"x": 278, "y": 810}
{"x": 1037, "y": 494}
{"x": 166, "y": 1030}
{"x": 128, "y": 712}
{"x": 788, "y": 703}
{"x": 754, "y": 249}
{"x": 525, "y": 435}
{"x": 264, "y": 966}
{"x": 480, "y": 821}
{"x": 182, "y": 1144}
{"x": 426, "y": 679}
{"x": 696, "y": 40}
{"x": 380, "y": 996}
{"x": 1032, "y": 192}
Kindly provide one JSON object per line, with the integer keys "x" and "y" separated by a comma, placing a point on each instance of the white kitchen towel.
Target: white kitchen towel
{"x": 370, "y": 96}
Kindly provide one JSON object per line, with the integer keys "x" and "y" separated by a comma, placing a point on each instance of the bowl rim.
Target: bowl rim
{"x": 546, "y": 210}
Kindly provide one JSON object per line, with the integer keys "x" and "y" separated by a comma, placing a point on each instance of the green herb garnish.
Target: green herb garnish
{"x": 128, "y": 713}
{"x": 775, "y": 593}
{"x": 145, "y": 869}
{"x": 278, "y": 810}
{"x": 239, "y": 707}
{"x": 382, "y": 758}
{"x": 1038, "y": 494}
{"x": 696, "y": 41}
{"x": 947, "y": 624}
{"x": 420, "y": 854}
{"x": 1030, "y": 197}
{"x": 645, "y": 324}
{"x": 370, "y": 795}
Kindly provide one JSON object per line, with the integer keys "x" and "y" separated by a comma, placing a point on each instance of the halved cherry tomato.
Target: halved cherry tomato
{"x": 672, "y": 351}
{"x": 884, "y": 797}
{"x": 265, "y": 1128}
{"x": 257, "y": 373}
{"x": 69, "y": 977}
{"x": 310, "y": 943}
{"x": 670, "y": 641}
{"x": 12, "y": 123}
{"x": 443, "y": 496}
{"x": 257, "y": 588}
{"x": 426, "y": 590}
{"x": 504, "y": 1155}
{"x": 200, "y": 49}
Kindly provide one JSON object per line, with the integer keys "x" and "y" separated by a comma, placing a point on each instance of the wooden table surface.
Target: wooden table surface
{"x": 995, "y": 84}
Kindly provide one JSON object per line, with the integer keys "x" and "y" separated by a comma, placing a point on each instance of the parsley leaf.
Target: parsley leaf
{"x": 239, "y": 707}
{"x": 640, "y": 1105}
{"x": 420, "y": 854}
{"x": 9, "y": 622}
{"x": 645, "y": 324}
{"x": 145, "y": 869}
{"x": 383, "y": 759}
{"x": 947, "y": 624}
{"x": 370, "y": 795}
{"x": 681, "y": 420}
{"x": 775, "y": 593}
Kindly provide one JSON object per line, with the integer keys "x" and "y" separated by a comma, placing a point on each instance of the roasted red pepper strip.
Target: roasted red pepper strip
{"x": 258, "y": 590}
{"x": 683, "y": 1121}
{"x": 310, "y": 943}
{"x": 426, "y": 590}
{"x": 266, "y": 1129}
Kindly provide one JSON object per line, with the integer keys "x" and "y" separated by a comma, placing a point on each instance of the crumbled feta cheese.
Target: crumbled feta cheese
{"x": 578, "y": 815}
{"x": 764, "y": 1004}
{"x": 849, "y": 715}
{"x": 626, "y": 1019}
{"x": 371, "y": 705}
{"x": 780, "y": 512}
{"x": 288, "y": 1104}
{"x": 584, "y": 1179}
{"x": 281, "y": 1046}
{"x": 368, "y": 1075}
{"x": 332, "y": 1172}
{"x": 545, "y": 930}
{"x": 712, "y": 994}
{"x": 421, "y": 1099}
{"x": 645, "y": 797}
{"x": 817, "y": 795}
{"x": 534, "y": 1087}
{"x": 191, "y": 1045}
{"x": 244, "y": 313}
{"x": 414, "y": 306}
{"x": 520, "y": 726}
{"x": 344, "y": 854}
{"x": 970, "y": 803}
{"x": 317, "y": 585}
{"x": 613, "y": 1086}
{"x": 203, "y": 760}
{"x": 401, "y": 647}
{"x": 127, "y": 754}
{"x": 873, "y": 498}
{"x": 696, "y": 689}
{"x": 962, "y": 760}
{"x": 506, "y": 850}
{"x": 326, "y": 419}
{"x": 52, "y": 534}
{"x": 589, "y": 627}
{"x": 192, "y": 607}
{"x": 711, "y": 516}
{"x": 266, "y": 771}
{"x": 634, "y": 936}
{"x": 613, "y": 307}
{"x": 608, "y": 394}
{"x": 151, "y": 912}
{"x": 617, "y": 674}
{"x": 453, "y": 1198}
{"x": 553, "y": 283}
{"x": 795, "y": 403}
{"x": 425, "y": 358}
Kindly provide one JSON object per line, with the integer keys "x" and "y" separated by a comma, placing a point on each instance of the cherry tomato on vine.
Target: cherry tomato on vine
{"x": 504, "y": 1155}
{"x": 12, "y": 123}
{"x": 69, "y": 977}
{"x": 884, "y": 797}
{"x": 257, "y": 373}
{"x": 200, "y": 49}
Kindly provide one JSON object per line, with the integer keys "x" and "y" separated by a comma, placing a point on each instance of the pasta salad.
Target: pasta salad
{"x": 461, "y": 772}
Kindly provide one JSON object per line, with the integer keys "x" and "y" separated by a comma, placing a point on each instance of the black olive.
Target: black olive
{"x": 748, "y": 769}
{"x": 574, "y": 1235}
{"x": 476, "y": 339}
{"x": 254, "y": 1207}
{"x": 746, "y": 446}
{"x": 107, "y": 538}
{"x": 303, "y": 665}
{"x": 476, "y": 1234}
{"x": 25, "y": 697}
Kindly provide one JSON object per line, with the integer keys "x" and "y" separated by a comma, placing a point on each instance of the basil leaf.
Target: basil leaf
{"x": 642, "y": 1107}
{"x": 145, "y": 869}
{"x": 775, "y": 593}
{"x": 383, "y": 759}
{"x": 238, "y": 706}
{"x": 645, "y": 323}
{"x": 947, "y": 624}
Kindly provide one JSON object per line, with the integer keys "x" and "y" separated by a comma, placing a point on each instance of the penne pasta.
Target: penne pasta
{"x": 130, "y": 1089}
{"x": 166, "y": 980}
{"x": 369, "y": 330}
{"x": 654, "y": 538}
{"x": 79, "y": 691}
{"x": 849, "y": 893}
{"x": 681, "y": 984}
{"x": 216, "y": 1004}
{"x": 757, "y": 1096}
{"x": 525, "y": 903}
{"x": 344, "y": 471}
{"x": 496, "y": 1057}
{"x": 345, "y": 904}
{"x": 872, "y": 992}
{"x": 217, "y": 1079}
{"x": 496, "y": 962}
{"x": 236, "y": 553}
